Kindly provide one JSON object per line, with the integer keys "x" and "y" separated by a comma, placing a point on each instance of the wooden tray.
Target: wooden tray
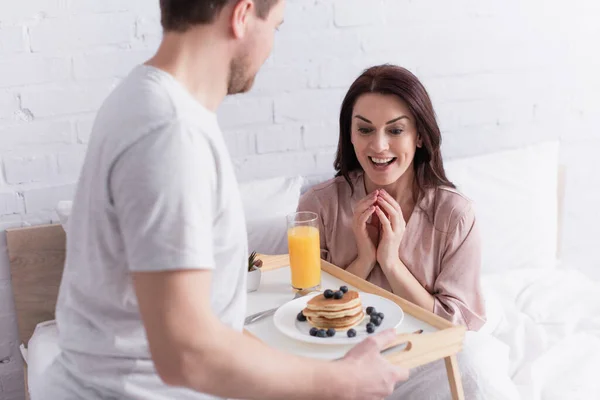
{"x": 443, "y": 341}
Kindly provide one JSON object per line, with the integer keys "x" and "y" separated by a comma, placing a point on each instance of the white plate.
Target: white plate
{"x": 286, "y": 322}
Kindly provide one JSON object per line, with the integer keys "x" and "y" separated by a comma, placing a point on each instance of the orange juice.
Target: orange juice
{"x": 305, "y": 256}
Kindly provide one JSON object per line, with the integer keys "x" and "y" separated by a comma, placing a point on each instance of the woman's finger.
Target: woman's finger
{"x": 383, "y": 219}
{"x": 365, "y": 203}
{"x": 364, "y": 217}
{"x": 390, "y": 199}
{"x": 395, "y": 216}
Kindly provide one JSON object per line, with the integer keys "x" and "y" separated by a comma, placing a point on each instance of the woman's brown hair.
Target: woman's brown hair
{"x": 396, "y": 81}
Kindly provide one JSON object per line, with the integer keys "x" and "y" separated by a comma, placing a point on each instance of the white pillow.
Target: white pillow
{"x": 41, "y": 350}
{"x": 515, "y": 195}
{"x": 266, "y": 203}
{"x": 312, "y": 180}
{"x": 63, "y": 209}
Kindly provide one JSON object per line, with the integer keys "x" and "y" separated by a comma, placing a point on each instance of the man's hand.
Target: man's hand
{"x": 373, "y": 376}
{"x": 192, "y": 348}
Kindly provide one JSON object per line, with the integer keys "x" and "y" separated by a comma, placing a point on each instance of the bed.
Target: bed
{"x": 545, "y": 316}
{"x": 37, "y": 256}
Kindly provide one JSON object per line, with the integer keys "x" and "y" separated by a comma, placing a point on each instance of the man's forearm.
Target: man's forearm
{"x": 233, "y": 363}
{"x": 192, "y": 348}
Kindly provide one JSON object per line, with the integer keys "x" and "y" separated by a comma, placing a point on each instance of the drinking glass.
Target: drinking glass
{"x": 305, "y": 250}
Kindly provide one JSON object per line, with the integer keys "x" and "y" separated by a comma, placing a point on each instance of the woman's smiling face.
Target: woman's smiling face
{"x": 384, "y": 136}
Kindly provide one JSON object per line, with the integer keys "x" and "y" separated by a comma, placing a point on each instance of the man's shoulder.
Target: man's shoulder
{"x": 152, "y": 96}
{"x": 137, "y": 105}
{"x": 146, "y": 105}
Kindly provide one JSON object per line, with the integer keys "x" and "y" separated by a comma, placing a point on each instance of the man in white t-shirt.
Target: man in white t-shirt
{"x": 152, "y": 300}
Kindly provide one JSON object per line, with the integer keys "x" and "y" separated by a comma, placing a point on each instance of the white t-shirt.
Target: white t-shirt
{"x": 157, "y": 192}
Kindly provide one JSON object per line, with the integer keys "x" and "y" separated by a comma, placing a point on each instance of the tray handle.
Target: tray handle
{"x": 422, "y": 349}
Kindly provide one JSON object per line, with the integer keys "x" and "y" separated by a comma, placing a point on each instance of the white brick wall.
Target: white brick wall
{"x": 107, "y": 64}
{"x": 63, "y": 35}
{"x": 8, "y": 105}
{"x": 502, "y": 74}
{"x": 69, "y": 98}
{"x": 279, "y": 138}
{"x": 12, "y": 40}
{"x": 238, "y": 112}
{"x": 35, "y": 133}
{"x": 350, "y": 13}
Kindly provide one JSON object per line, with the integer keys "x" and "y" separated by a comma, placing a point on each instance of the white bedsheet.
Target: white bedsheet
{"x": 548, "y": 318}
{"x": 39, "y": 354}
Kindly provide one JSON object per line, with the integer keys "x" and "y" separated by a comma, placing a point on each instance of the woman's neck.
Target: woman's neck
{"x": 401, "y": 190}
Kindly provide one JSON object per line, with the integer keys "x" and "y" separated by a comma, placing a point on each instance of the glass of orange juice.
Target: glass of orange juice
{"x": 305, "y": 250}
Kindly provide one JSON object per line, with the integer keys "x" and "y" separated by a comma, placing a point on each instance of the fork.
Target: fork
{"x": 263, "y": 314}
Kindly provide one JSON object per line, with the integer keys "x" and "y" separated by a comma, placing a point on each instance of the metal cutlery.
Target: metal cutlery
{"x": 263, "y": 314}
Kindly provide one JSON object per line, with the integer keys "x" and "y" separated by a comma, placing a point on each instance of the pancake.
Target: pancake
{"x": 340, "y": 314}
{"x": 347, "y": 312}
{"x": 320, "y": 303}
{"x": 337, "y": 323}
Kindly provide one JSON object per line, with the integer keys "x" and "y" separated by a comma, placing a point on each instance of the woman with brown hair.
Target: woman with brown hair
{"x": 391, "y": 215}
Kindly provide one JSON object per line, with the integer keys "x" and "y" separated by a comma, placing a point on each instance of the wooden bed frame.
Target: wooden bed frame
{"x": 37, "y": 256}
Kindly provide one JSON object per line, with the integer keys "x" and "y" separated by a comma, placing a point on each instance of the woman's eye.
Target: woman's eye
{"x": 396, "y": 131}
{"x": 364, "y": 131}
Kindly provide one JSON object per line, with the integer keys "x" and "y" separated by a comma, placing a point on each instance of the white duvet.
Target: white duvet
{"x": 550, "y": 319}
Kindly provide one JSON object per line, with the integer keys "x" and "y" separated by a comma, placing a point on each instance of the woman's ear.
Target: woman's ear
{"x": 419, "y": 141}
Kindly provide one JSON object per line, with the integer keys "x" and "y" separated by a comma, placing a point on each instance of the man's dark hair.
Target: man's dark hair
{"x": 180, "y": 15}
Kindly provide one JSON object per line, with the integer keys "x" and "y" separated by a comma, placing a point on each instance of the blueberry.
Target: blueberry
{"x": 381, "y": 315}
{"x": 328, "y": 293}
{"x": 370, "y": 328}
{"x": 321, "y": 333}
{"x": 351, "y": 333}
{"x": 344, "y": 289}
{"x": 313, "y": 331}
{"x": 338, "y": 295}
{"x": 330, "y": 332}
{"x": 376, "y": 321}
{"x": 370, "y": 310}
{"x": 300, "y": 317}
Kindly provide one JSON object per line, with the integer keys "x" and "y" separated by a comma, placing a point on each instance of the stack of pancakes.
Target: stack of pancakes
{"x": 339, "y": 314}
